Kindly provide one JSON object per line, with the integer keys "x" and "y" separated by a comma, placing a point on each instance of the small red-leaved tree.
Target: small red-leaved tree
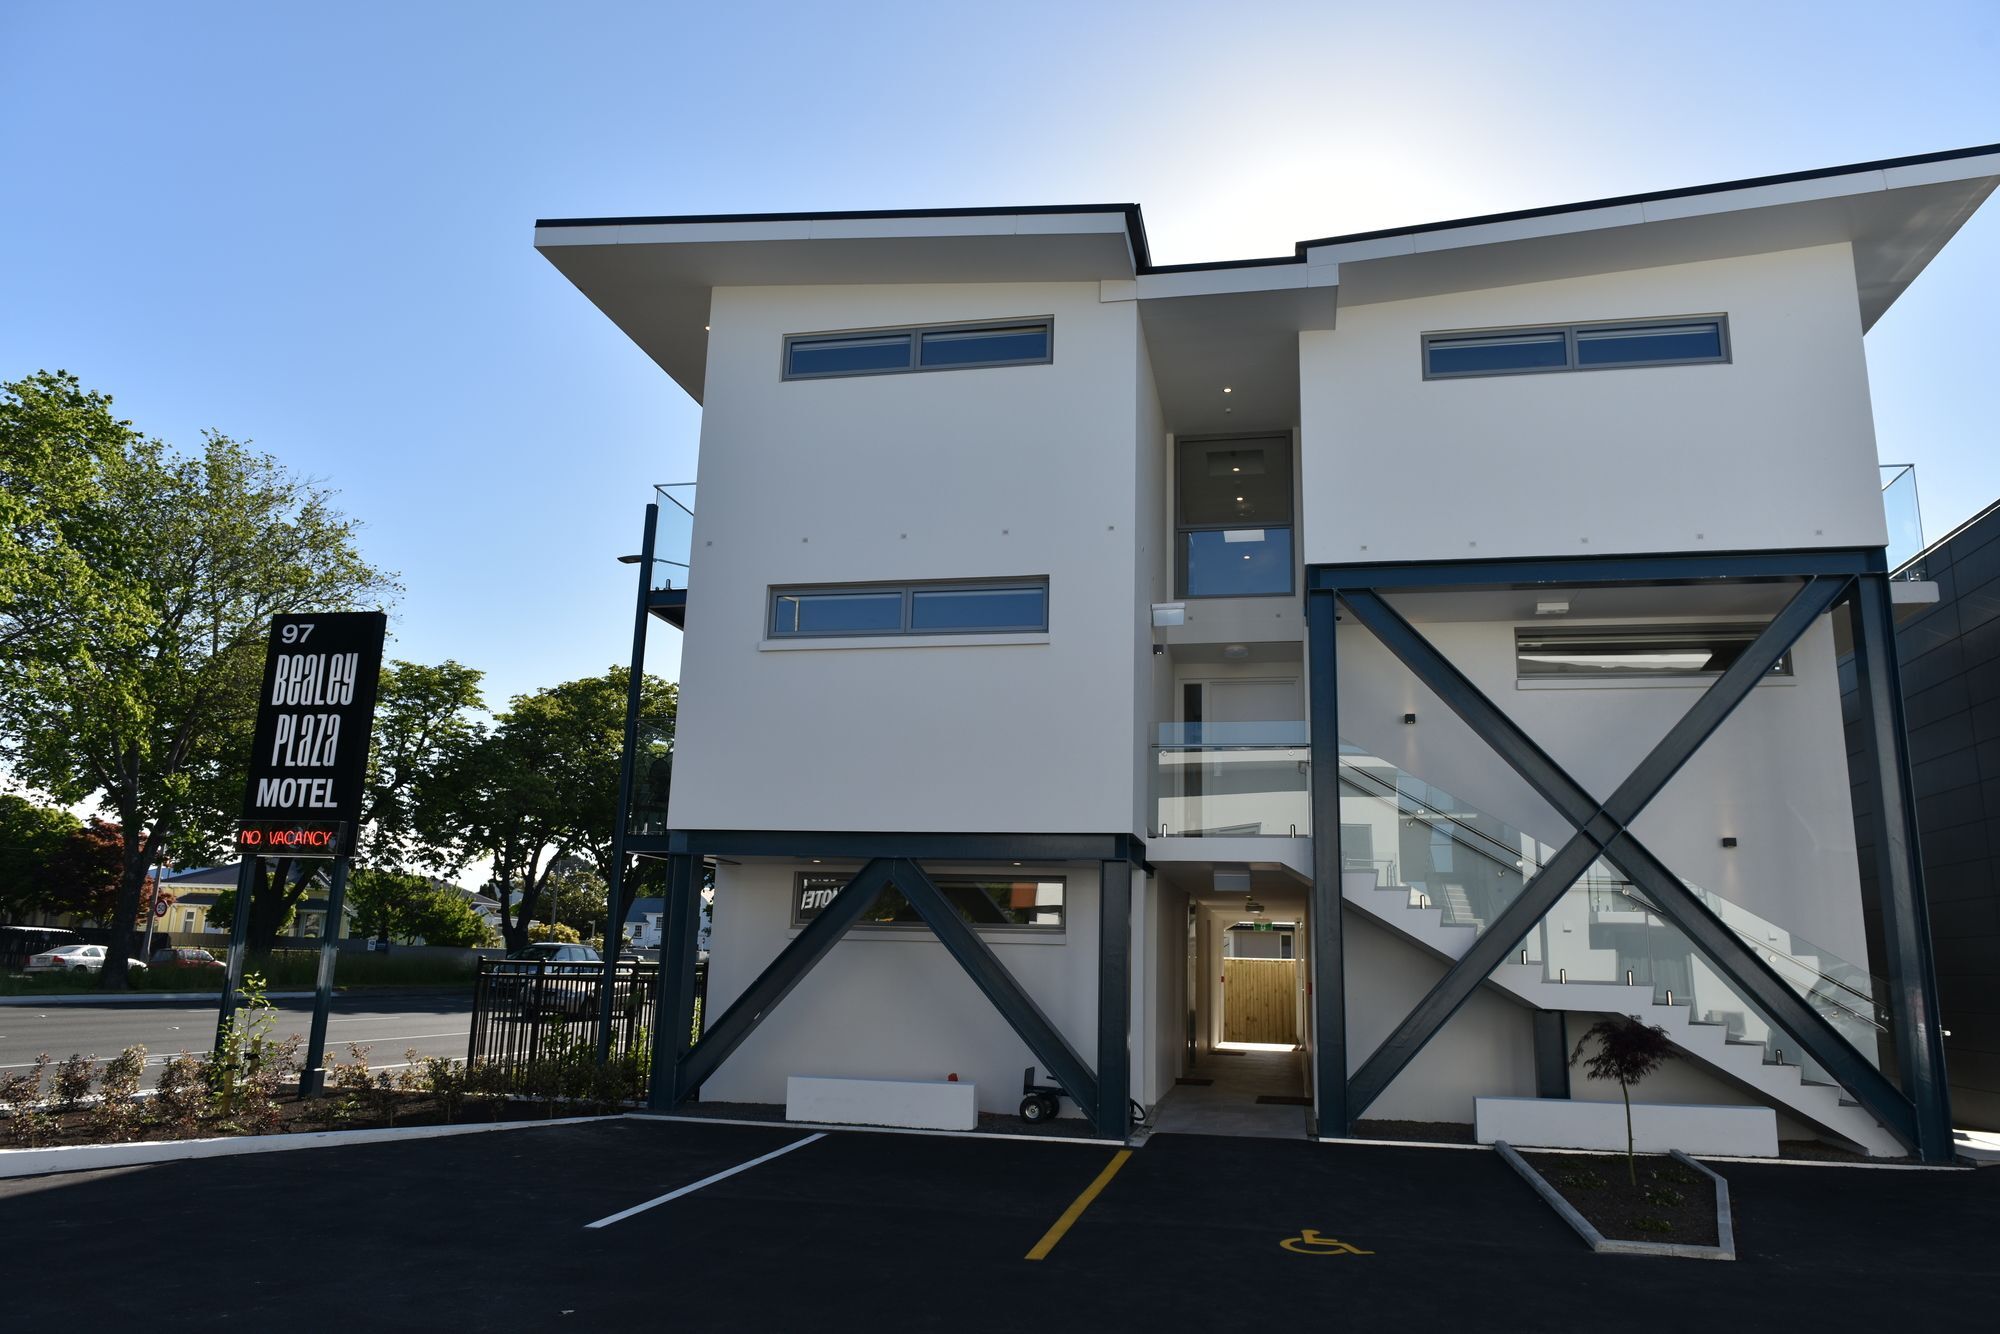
{"x": 1627, "y": 1051}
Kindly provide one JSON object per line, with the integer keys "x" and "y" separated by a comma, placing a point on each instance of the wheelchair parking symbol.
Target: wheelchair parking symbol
{"x": 1310, "y": 1242}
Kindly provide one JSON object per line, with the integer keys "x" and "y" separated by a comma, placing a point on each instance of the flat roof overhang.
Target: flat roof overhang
{"x": 653, "y": 276}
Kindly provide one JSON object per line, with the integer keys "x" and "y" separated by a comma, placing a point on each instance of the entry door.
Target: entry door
{"x": 1260, "y": 990}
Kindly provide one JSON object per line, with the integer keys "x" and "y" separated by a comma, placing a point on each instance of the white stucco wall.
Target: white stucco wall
{"x": 891, "y": 1003}
{"x": 1006, "y": 471}
{"x": 1775, "y": 449}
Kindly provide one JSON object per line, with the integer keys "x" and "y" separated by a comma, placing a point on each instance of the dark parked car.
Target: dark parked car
{"x": 549, "y": 976}
{"x": 184, "y": 956}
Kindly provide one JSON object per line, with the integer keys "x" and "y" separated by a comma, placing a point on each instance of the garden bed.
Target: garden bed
{"x": 1673, "y": 1203}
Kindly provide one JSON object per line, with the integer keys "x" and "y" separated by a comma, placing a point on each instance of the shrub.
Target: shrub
{"x": 28, "y": 1120}
{"x": 72, "y": 1082}
{"x": 248, "y": 1067}
{"x": 117, "y": 1110}
{"x": 182, "y": 1095}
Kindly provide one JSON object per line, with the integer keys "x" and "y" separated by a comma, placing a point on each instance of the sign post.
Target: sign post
{"x": 308, "y": 762}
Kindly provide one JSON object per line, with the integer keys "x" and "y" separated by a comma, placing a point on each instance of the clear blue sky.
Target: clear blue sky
{"x": 310, "y": 225}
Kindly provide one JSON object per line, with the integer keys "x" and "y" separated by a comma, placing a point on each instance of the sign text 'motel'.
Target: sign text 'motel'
{"x": 310, "y": 756}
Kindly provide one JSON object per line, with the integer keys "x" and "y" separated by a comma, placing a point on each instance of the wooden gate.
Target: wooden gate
{"x": 1260, "y": 1000}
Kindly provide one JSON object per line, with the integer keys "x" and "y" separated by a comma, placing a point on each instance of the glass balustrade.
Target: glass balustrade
{"x": 1905, "y": 517}
{"x": 1468, "y": 866}
{"x": 673, "y": 538}
{"x": 1232, "y": 780}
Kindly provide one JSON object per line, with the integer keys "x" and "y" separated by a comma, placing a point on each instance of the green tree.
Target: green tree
{"x": 576, "y": 896}
{"x": 30, "y": 837}
{"x": 150, "y": 716}
{"x": 390, "y": 905}
{"x": 444, "y": 916}
{"x": 59, "y": 534}
{"x": 540, "y": 787}
{"x": 425, "y": 723}
{"x": 84, "y": 874}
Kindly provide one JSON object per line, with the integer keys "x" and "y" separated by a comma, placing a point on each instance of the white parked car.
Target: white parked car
{"x": 74, "y": 959}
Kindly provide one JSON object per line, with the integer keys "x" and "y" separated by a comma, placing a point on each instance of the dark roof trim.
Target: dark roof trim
{"x": 1135, "y": 223}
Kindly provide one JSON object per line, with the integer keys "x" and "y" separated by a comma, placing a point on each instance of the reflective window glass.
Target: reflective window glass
{"x": 970, "y": 347}
{"x": 857, "y": 354}
{"x": 979, "y": 609}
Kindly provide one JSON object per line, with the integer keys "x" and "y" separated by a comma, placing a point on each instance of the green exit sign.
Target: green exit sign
{"x": 1263, "y": 926}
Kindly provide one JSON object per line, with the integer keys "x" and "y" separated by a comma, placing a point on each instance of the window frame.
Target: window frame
{"x": 1046, "y": 324}
{"x": 1059, "y": 927}
{"x": 909, "y": 591}
{"x": 1182, "y": 528}
{"x": 1783, "y": 670}
{"x": 1569, "y": 332}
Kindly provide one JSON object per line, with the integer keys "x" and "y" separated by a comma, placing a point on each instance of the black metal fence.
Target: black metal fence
{"x": 528, "y": 1010}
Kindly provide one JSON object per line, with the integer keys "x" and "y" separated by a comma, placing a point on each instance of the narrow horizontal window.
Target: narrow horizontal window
{"x": 1641, "y": 345}
{"x": 944, "y": 347}
{"x": 985, "y": 347}
{"x": 1634, "y": 652}
{"x": 982, "y": 607}
{"x": 848, "y": 356}
{"x": 1577, "y": 347}
{"x": 936, "y": 609}
{"x": 838, "y": 614}
{"x": 995, "y": 903}
{"x": 1495, "y": 354}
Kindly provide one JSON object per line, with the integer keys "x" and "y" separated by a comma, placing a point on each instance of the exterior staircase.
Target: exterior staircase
{"x": 1748, "y": 1064}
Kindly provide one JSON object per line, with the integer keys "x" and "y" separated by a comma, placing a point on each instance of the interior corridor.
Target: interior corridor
{"x": 1229, "y": 1105}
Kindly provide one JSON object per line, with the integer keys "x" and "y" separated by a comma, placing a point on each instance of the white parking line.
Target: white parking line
{"x": 623, "y": 1214}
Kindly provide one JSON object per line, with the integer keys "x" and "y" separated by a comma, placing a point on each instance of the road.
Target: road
{"x": 389, "y": 1025}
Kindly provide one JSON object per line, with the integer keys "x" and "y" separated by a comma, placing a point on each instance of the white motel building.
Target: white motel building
{"x": 1293, "y": 694}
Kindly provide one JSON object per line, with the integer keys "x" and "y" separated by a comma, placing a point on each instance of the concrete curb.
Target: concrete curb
{"x": 846, "y": 1127}
{"x": 95, "y": 1157}
{"x": 1724, "y": 1230}
{"x": 204, "y": 998}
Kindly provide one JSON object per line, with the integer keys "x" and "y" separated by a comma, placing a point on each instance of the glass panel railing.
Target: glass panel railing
{"x": 1232, "y": 780}
{"x": 1905, "y": 517}
{"x": 1469, "y": 866}
{"x": 652, "y": 779}
{"x": 673, "y": 539}
{"x": 1607, "y": 933}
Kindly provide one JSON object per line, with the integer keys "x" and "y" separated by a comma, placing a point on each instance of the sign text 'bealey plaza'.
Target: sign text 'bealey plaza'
{"x": 310, "y": 756}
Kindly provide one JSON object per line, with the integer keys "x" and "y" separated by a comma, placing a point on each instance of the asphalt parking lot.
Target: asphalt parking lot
{"x": 891, "y": 1232}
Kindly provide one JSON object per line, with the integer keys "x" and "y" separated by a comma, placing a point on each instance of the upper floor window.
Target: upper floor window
{"x": 958, "y": 608}
{"x": 1690, "y": 340}
{"x": 1633, "y": 652}
{"x": 1234, "y": 520}
{"x": 932, "y": 348}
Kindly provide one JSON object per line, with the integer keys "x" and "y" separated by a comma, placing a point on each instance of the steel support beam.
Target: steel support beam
{"x": 992, "y": 978}
{"x": 1899, "y": 871}
{"x": 1329, "y": 958}
{"x": 786, "y": 971}
{"x": 1566, "y": 571}
{"x": 673, "y": 1013}
{"x": 1601, "y": 830}
{"x": 614, "y": 903}
{"x": 1113, "y": 1112}
{"x": 312, "y": 1079}
{"x": 239, "y": 937}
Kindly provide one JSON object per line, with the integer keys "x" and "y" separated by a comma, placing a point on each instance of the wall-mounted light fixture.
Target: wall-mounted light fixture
{"x": 1729, "y": 841}
{"x": 1409, "y": 717}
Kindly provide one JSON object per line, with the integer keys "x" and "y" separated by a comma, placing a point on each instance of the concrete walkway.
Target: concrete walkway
{"x": 1229, "y": 1106}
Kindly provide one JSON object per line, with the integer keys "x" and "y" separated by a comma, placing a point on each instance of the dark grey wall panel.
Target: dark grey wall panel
{"x": 1950, "y": 656}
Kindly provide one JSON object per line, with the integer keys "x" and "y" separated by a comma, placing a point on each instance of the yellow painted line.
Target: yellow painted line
{"x": 1078, "y": 1205}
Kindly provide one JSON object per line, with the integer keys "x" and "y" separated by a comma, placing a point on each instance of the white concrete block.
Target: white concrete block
{"x": 1556, "y": 1123}
{"x": 928, "y": 1104}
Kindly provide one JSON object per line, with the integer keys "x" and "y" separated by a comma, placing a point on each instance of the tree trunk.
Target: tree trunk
{"x": 131, "y": 885}
{"x": 1631, "y": 1146}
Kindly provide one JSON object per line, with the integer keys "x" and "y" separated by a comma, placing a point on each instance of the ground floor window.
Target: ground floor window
{"x": 983, "y": 901}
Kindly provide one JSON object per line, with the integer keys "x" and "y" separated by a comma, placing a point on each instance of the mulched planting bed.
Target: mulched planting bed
{"x": 292, "y": 1115}
{"x": 1674, "y": 1203}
